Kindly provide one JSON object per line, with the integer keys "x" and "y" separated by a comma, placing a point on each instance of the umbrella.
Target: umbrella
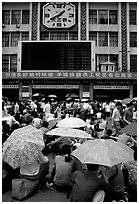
{"x": 84, "y": 100}
{"x": 103, "y": 152}
{"x": 68, "y": 99}
{"x": 69, "y": 132}
{"x": 126, "y": 100}
{"x": 71, "y": 122}
{"x": 72, "y": 95}
{"x": 52, "y": 123}
{"x": 39, "y": 95}
{"x": 5, "y": 98}
{"x": 23, "y": 146}
{"x": 52, "y": 96}
{"x": 135, "y": 98}
{"x": 130, "y": 129}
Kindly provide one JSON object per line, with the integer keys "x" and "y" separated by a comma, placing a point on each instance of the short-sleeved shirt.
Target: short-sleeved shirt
{"x": 128, "y": 115}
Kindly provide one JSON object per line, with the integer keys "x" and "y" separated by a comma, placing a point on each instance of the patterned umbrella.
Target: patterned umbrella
{"x": 130, "y": 129}
{"x": 22, "y": 146}
{"x": 52, "y": 96}
{"x": 39, "y": 95}
{"x": 103, "y": 152}
{"x": 69, "y": 132}
{"x": 72, "y": 95}
{"x": 72, "y": 122}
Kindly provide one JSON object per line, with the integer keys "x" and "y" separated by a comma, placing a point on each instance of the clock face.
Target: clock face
{"x": 60, "y": 15}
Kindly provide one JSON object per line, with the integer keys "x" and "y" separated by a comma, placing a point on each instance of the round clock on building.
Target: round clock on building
{"x": 59, "y": 15}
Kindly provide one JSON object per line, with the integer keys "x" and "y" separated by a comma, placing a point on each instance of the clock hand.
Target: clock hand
{"x": 59, "y": 14}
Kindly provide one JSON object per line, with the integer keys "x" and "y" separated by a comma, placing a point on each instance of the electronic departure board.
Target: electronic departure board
{"x": 56, "y": 56}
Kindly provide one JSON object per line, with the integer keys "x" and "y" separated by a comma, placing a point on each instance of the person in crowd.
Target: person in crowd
{"x": 84, "y": 184}
{"x": 37, "y": 123}
{"x": 47, "y": 109}
{"x": 128, "y": 113}
{"x": 6, "y": 131}
{"x": 115, "y": 178}
{"x": 63, "y": 169}
{"x": 116, "y": 117}
{"x": 108, "y": 135}
{"x": 107, "y": 109}
{"x": 37, "y": 170}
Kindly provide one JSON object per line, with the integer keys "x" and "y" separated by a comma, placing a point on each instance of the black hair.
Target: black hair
{"x": 66, "y": 150}
{"x": 109, "y": 132}
{"x": 92, "y": 167}
{"x": 118, "y": 103}
{"x": 45, "y": 124}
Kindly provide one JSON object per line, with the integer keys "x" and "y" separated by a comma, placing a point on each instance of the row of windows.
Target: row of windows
{"x": 9, "y": 62}
{"x": 109, "y": 17}
{"x": 110, "y": 39}
{"x": 59, "y": 36}
{"x": 95, "y": 16}
{"x": 10, "y": 39}
{"x": 101, "y": 38}
{"x": 15, "y": 17}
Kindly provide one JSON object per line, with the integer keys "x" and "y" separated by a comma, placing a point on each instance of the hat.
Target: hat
{"x": 37, "y": 122}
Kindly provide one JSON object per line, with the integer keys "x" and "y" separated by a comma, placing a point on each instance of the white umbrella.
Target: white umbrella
{"x": 69, "y": 132}
{"x": 71, "y": 122}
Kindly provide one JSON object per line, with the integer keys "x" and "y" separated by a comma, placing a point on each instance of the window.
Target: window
{"x": 101, "y": 59}
{"x": 15, "y": 37}
{"x": 93, "y": 16}
{"x": 93, "y": 36}
{"x": 13, "y": 63}
{"x": 25, "y": 16}
{"x": 73, "y": 36}
{"x": 44, "y": 36}
{"x": 24, "y": 36}
{"x": 133, "y": 39}
{"x": 133, "y": 63}
{"x": 132, "y": 17}
{"x": 114, "y": 59}
{"x": 5, "y": 63}
{"x": 103, "y": 39}
{"x": 112, "y": 17}
{"x": 103, "y": 16}
{"x": 16, "y": 17}
{"x": 113, "y": 39}
{"x": 5, "y": 39}
{"x": 6, "y": 17}
{"x": 59, "y": 36}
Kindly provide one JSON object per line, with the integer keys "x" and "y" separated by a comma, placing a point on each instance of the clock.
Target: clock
{"x": 59, "y": 15}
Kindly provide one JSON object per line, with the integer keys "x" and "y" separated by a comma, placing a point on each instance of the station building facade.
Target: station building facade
{"x": 87, "y": 48}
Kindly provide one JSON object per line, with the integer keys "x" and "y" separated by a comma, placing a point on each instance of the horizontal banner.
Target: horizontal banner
{"x": 55, "y": 86}
{"x": 111, "y": 87}
{"x": 70, "y": 74}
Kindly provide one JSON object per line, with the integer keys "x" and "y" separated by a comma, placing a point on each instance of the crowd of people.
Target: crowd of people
{"x": 80, "y": 182}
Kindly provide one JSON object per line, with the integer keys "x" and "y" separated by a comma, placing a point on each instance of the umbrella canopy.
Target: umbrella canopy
{"x": 126, "y": 100}
{"x": 103, "y": 152}
{"x": 130, "y": 129}
{"x": 69, "y": 132}
{"x": 84, "y": 100}
{"x": 5, "y": 98}
{"x": 52, "y": 96}
{"x": 72, "y": 122}
{"x": 39, "y": 95}
{"x": 135, "y": 98}
{"x": 22, "y": 146}
{"x": 72, "y": 95}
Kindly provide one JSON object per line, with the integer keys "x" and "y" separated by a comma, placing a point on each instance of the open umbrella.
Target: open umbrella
{"x": 72, "y": 95}
{"x": 135, "y": 98}
{"x": 52, "y": 96}
{"x": 130, "y": 129}
{"x": 22, "y": 146}
{"x": 71, "y": 122}
{"x": 103, "y": 152}
{"x": 84, "y": 100}
{"x": 126, "y": 100}
{"x": 5, "y": 98}
{"x": 39, "y": 95}
{"x": 69, "y": 132}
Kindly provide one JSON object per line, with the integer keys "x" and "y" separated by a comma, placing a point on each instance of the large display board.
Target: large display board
{"x": 55, "y": 56}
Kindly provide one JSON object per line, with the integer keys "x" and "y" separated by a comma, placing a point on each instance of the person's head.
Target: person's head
{"x": 65, "y": 149}
{"x": 37, "y": 123}
{"x": 14, "y": 126}
{"x": 109, "y": 132}
{"x": 45, "y": 124}
{"x": 130, "y": 105}
{"x": 92, "y": 167}
{"x": 118, "y": 105}
{"x": 103, "y": 117}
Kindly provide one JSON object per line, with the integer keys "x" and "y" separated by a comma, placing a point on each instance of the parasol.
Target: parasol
{"x": 22, "y": 146}
{"x": 71, "y": 122}
{"x": 72, "y": 95}
{"x": 40, "y": 95}
{"x": 130, "y": 129}
{"x": 103, "y": 152}
{"x": 69, "y": 132}
{"x": 126, "y": 100}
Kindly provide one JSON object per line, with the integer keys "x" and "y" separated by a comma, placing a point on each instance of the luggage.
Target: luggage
{"x": 22, "y": 188}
